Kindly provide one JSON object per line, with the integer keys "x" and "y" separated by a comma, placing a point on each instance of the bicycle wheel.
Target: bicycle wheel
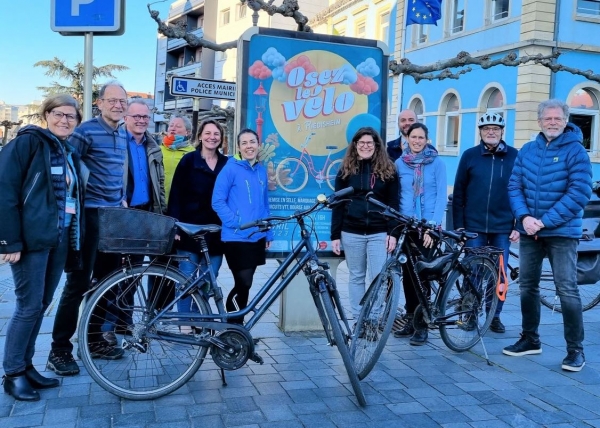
{"x": 468, "y": 303}
{"x": 291, "y": 175}
{"x": 342, "y": 344}
{"x": 331, "y": 173}
{"x": 375, "y": 321}
{"x": 151, "y": 366}
{"x": 589, "y": 293}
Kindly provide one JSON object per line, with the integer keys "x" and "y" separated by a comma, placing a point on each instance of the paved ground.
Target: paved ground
{"x": 303, "y": 384}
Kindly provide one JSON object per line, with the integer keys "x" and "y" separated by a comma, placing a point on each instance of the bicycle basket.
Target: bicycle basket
{"x": 130, "y": 231}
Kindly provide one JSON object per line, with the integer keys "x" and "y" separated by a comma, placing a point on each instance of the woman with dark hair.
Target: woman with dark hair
{"x": 423, "y": 195}
{"x": 365, "y": 234}
{"x": 191, "y": 198}
{"x": 42, "y": 200}
{"x": 241, "y": 196}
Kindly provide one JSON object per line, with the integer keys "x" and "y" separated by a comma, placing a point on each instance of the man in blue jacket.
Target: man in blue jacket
{"x": 550, "y": 185}
{"x": 395, "y": 147}
{"x": 480, "y": 201}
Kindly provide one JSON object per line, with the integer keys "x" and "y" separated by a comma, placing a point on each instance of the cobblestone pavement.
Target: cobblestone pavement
{"x": 303, "y": 383}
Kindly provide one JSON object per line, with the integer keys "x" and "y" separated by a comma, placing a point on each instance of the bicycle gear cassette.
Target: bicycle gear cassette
{"x": 235, "y": 352}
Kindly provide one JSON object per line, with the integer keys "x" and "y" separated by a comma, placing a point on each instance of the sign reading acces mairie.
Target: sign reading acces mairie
{"x": 202, "y": 88}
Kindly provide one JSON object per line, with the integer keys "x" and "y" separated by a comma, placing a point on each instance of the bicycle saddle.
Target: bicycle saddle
{"x": 197, "y": 229}
{"x": 435, "y": 267}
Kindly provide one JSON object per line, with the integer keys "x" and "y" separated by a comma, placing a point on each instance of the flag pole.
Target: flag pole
{"x": 403, "y": 31}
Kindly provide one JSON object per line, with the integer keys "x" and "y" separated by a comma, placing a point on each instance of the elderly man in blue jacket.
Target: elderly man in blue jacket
{"x": 550, "y": 185}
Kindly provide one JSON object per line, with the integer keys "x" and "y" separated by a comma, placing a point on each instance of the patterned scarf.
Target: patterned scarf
{"x": 175, "y": 142}
{"x": 417, "y": 161}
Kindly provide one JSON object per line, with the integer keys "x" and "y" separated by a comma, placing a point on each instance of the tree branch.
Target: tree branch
{"x": 289, "y": 8}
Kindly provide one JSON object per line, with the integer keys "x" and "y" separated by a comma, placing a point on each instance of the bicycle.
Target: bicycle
{"x": 464, "y": 282}
{"x": 298, "y": 169}
{"x": 159, "y": 358}
{"x": 589, "y": 292}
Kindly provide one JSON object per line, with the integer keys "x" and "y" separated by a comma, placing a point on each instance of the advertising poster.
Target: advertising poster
{"x": 306, "y": 95}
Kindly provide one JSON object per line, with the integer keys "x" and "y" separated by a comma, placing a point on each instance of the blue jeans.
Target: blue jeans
{"x": 360, "y": 250}
{"x": 36, "y": 277}
{"x": 499, "y": 240}
{"x": 562, "y": 253}
{"x": 188, "y": 267}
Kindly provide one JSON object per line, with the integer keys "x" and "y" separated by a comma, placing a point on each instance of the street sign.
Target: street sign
{"x": 75, "y": 17}
{"x": 202, "y": 88}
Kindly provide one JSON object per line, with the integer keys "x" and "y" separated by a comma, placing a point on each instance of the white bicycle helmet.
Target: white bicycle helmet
{"x": 491, "y": 119}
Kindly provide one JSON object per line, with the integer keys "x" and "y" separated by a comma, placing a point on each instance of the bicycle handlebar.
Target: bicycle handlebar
{"x": 326, "y": 201}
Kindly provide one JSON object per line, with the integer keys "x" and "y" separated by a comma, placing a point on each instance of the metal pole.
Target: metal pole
{"x": 195, "y": 109}
{"x": 88, "y": 71}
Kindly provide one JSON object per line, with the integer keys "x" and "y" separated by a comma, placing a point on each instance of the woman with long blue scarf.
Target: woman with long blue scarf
{"x": 422, "y": 195}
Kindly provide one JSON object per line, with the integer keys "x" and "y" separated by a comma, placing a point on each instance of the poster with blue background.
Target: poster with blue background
{"x": 306, "y": 95}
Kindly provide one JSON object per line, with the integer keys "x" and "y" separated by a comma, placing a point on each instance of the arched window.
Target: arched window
{"x": 450, "y": 110}
{"x": 584, "y": 112}
{"x": 495, "y": 100}
{"x": 416, "y": 105}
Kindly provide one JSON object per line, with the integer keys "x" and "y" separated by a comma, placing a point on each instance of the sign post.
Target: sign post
{"x": 86, "y": 17}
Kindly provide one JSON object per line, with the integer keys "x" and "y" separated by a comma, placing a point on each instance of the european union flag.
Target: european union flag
{"x": 423, "y": 12}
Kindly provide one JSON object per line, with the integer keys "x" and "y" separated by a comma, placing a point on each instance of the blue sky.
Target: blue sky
{"x": 27, "y": 39}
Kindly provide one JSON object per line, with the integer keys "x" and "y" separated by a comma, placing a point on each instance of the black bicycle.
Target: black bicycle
{"x": 463, "y": 280}
{"x": 159, "y": 357}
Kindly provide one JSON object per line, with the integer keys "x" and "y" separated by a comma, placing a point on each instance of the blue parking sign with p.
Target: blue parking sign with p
{"x": 86, "y": 15}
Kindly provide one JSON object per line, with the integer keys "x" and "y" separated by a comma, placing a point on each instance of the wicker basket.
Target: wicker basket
{"x": 131, "y": 231}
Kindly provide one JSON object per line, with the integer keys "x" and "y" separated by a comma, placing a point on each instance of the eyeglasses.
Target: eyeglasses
{"x": 58, "y": 115}
{"x": 365, "y": 143}
{"x": 139, "y": 117}
{"x": 552, "y": 119}
{"x": 491, "y": 129}
{"x": 113, "y": 101}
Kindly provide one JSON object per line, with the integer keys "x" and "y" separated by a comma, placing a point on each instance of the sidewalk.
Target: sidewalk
{"x": 303, "y": 383}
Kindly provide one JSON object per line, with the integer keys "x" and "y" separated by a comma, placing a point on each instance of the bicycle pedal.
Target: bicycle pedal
{"x": 257, "y": 358}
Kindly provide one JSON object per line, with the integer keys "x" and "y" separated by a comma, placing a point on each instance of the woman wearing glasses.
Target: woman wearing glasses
{"x": 40, "y": 210}
{"x": 422, "y": 195}
{"x": 365, "y": 234}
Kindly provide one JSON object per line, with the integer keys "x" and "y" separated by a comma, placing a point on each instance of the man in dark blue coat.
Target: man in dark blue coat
{"x": 395, "y": 147}
{"x": 480, "y": 201}
{"x": 550, "y": 185}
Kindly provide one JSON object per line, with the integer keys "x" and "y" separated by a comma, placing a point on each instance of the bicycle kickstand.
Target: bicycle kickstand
{"x": 223, "y": 377}
{"x": 487, "y": 358}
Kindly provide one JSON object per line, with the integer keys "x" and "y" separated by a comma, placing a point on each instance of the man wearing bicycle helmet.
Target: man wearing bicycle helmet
{"x": 480, "y": 201}
{"x": 550, "y": 186}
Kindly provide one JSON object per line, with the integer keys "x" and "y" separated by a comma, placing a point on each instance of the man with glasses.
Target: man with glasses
{"x": 550, "y": 185}
{"x": 480, "y": 200}
{"x": 102, "y": 147}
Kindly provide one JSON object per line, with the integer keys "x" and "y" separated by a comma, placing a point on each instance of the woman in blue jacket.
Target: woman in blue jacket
{"x": 40, "y": 210}
{"x": 240, "y": 196}
{"x": 422, "y": 195}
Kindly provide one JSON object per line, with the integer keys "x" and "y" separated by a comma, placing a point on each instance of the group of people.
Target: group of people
{"x": 55, "y": 180}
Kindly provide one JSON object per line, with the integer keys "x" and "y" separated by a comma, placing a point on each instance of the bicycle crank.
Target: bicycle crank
{"x": 233, "y": 350}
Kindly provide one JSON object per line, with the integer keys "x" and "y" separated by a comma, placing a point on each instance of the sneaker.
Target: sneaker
{"x": 574, "y": 361}
{"x": 110, "y": 337}
{"x": 524, "y": 346}
{"x": 407, "y": 329}
{"x": 496, "y": 326}
{"x": 62, "y": 363}
{"x": 104, "y": 351}
{"x": 419, "y": 338}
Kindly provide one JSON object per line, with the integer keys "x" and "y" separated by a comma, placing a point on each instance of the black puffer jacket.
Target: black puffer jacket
{"x": 359, "y": 216}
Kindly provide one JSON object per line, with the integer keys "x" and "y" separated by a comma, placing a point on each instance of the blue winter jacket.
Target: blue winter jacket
{"x": 240, "y": 196}
{"x": 552, "y": 182}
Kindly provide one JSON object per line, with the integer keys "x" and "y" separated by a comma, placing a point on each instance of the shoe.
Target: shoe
{"x": 407, "y": 329}
{"x": 574, "y": 361}
{"x": 524, "y": 346}
{"x": 19, "y": 388}
{"x": 62, "y": 363}
{"x": 110, "y": 337}
{"x": 419, "y": 338}
{"x": 37, "y": 381}
{"x": 496, "y": 326}
{"x": 105, "y": 351}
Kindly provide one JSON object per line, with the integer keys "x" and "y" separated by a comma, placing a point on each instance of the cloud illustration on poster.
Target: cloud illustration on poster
{"x": 259, "y": 70}
{"x": 368, "y": 68}
{"x": 279, "y": 74}
{"x": 349, "y": 75}
{"x": 302, "y": 61}
{"x": 364, "y": 85}
{"x": 272, "y": 58}
{"x": 359, "y": 121}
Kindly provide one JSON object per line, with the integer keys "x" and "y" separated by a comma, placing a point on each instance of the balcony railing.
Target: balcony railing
{"x": 186, "y": 70}
{"x": 178, "y": 104}
{"x": 177, "y": 43}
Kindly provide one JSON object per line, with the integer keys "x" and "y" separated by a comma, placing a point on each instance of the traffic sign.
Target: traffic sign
{"x": 202, "y": 88}
{"x": 73, "y": 17}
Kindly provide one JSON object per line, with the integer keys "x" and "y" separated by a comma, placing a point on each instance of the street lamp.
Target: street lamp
{"x": 260, "y": 106}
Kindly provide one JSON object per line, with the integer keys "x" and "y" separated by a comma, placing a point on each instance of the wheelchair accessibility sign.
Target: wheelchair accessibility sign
{"x": 203, "y": 88}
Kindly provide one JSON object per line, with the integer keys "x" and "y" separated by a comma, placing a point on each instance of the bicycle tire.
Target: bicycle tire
{"x": 152, "y": 367}
{"x": 293, "y": 166}
{"x": 589, "y": 294}
{"x": 461, "y": 331}
{"x": 342, "y": 345}
{"x": 331, "y": 173}
{"x": 375, "y": 321}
